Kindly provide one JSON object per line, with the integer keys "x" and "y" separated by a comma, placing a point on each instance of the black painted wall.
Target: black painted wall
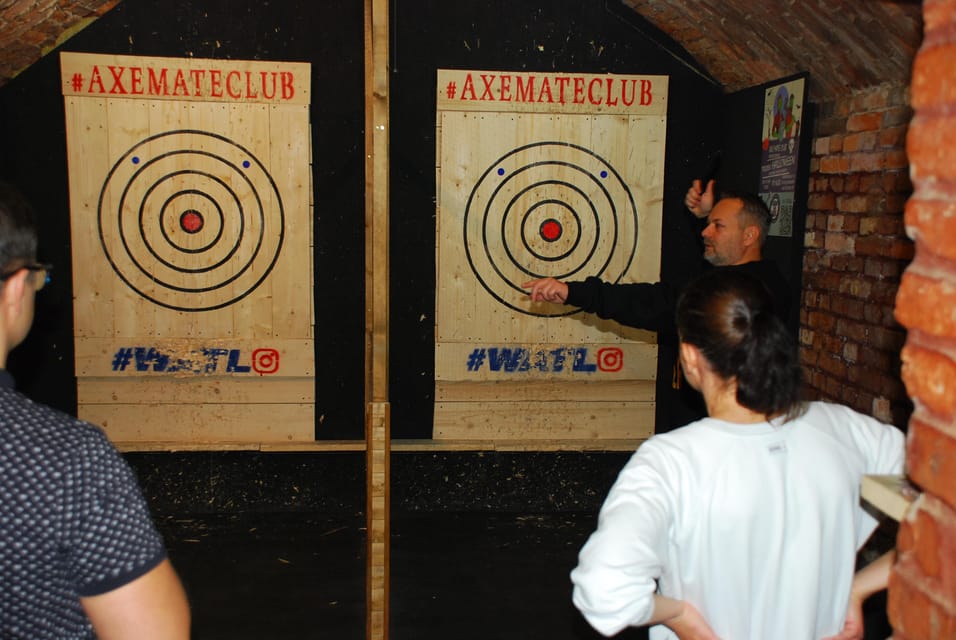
{"x": 742, "y": 125}
{"x": 562, "y": 35}
{"x": 329, "y": 34}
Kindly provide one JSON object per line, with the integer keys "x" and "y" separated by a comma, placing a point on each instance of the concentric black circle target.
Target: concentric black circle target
{"x": 191, "y": 220}
{"x": 548, "y": 209}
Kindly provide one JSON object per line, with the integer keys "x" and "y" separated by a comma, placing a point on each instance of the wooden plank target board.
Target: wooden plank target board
{"x": 191, "y": 216}
{"x": 544, "y": 174}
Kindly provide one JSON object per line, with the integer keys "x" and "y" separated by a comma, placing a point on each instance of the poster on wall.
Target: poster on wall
{"x": 544, "y": 175}
{"x": 783, "y": 116}
{"x": 190, "y": 209}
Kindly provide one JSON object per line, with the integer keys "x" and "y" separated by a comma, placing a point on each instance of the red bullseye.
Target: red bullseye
{"x": 551, "y": 230}
{"x": 191, "y": 221}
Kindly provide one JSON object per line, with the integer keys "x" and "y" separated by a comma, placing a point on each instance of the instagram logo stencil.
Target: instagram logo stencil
{"x": 265, "y": 361}
{"x": 610, "y": 359}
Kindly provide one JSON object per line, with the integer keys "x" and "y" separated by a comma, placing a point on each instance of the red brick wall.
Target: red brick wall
{"x": 30, "y": 28}
{"x": 922, "y": 596}
{"x": 856, "y": 250}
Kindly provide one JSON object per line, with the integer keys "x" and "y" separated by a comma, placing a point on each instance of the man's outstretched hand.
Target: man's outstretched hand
{"x": 547, "y": 290}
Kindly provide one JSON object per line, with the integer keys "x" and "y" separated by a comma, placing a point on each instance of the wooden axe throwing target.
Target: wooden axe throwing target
{"x": 565, "y": 201}
{"x": 191, "y": 220}
{"x": 544, "y": 175}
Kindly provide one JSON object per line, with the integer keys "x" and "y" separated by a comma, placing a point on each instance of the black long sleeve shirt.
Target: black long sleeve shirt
{"x": 653, "y": 306}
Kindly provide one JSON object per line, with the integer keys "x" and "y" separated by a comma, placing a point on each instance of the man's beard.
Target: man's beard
{"x": 714, "y": 258}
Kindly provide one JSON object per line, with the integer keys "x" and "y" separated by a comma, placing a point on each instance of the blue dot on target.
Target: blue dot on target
{"x": 245, "y": 164}
{"x": 603, "y": 174}
{"x": 501, "y": 171}
{"x": 135, "y": 159}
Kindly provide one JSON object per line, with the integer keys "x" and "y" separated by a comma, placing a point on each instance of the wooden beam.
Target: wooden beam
{"x": 376, "y": 200}
{"x": 377, "y": 426}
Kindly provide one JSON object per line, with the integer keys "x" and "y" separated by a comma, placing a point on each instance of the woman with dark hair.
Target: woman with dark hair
{"x": 744, "y": 524}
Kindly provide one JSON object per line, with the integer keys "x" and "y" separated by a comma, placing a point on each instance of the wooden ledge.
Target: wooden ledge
{"x": 592, "y": 445}
{"x": 404, "y": 445}
{"x": 890, "y": 494}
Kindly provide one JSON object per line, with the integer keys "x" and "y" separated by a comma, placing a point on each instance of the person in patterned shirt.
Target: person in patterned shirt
{"x": 80, "y": 556}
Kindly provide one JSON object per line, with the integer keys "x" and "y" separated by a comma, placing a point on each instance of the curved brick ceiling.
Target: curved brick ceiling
{"x": 844, "y": 44}
{"x": 29, "y": 29}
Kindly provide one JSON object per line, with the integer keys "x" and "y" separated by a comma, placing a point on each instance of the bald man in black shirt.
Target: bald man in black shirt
{"x": 737, "y": 227}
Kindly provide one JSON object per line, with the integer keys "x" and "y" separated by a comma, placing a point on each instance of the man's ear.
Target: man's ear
{"x": 11, "y": 295}
{"x": 751, "y": 234}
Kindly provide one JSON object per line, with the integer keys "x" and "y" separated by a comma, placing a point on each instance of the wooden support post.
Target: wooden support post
{"x": 376, "y": 317}
{"x": 377, "y": 510}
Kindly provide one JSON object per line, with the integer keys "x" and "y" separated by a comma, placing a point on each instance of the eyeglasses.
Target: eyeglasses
{"x": 39, "y": 271}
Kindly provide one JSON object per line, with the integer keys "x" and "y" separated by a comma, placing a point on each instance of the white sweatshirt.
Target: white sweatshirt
{"x": 756, "y": 525}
